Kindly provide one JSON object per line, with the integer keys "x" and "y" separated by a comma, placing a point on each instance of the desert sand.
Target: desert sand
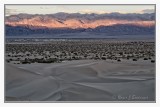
{"x": 81, "y": 80}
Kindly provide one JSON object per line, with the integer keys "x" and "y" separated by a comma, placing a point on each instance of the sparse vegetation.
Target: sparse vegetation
{"x": 103, "y": 58}
{"x": 134, "y": 59}
{"x": 145, "y": 58}
{"x": 153, "y": 61}
{"x": 58, "y": 51}
{"x": 119, "y": 60}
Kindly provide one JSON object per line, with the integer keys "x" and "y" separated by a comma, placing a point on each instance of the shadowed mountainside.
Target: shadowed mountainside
{"x": 60, "y": 23}
{"x": 108, "y": 30}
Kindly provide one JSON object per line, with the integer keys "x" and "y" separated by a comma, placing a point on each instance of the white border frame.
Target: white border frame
{"x": 2, "y": 2}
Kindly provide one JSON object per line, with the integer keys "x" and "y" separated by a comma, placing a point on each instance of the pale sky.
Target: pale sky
{"x": 99, "y": 9}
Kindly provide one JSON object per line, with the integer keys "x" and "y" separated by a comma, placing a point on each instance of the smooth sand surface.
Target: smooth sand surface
{"x": 81, "y": 80}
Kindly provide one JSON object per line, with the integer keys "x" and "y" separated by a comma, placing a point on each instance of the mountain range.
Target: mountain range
{"x": 60, "y": 23}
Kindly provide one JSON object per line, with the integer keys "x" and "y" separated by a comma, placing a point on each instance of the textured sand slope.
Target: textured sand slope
{"x": 84, "y": 80}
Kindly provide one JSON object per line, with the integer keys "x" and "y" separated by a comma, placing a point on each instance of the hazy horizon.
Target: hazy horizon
{"x": 83, "y": 9}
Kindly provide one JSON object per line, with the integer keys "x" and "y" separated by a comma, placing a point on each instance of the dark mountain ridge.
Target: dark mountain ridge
{"x": 107, "y": 30}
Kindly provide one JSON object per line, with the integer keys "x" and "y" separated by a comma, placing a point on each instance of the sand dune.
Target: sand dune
{"x": 83, "y": 80}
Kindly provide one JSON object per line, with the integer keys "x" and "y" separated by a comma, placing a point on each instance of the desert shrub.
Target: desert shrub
{"x": 96, "y": 58}
{"x": 25, "y": 62}
{"x": 103, "y": 58}
{"x": 75, "y": 53}
{"x": 120, "y": 53}
{"x": 73, "y": 57}
{"x": 145, "y": 59}
{"x": 85, "y": 56}
{"x": 109, "y": 57}
{"x": 44, "y": 61}
{"x": 104, "y": 54}
{"x": 47, "y": 61}
{"x": 54, "y": 59}
{"x": 61, "y": 60}
{"x": 27, "y": 54}
{"x": 77, "y": 58}
{"x": 51, "y": 60}
{"x": 153, "y": 61}
{"x": 115, "y": 58}
{"x": 8, "y": 61}
{"x": 134, "y": 59}
{"x": 18, "y": 59}
{"x": 119, "y": 60}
